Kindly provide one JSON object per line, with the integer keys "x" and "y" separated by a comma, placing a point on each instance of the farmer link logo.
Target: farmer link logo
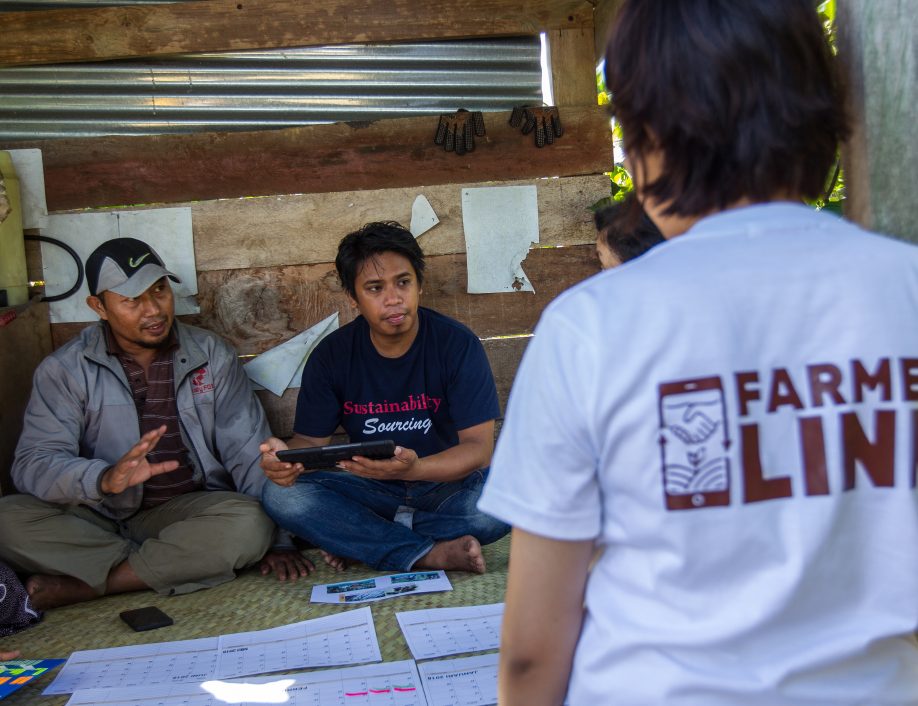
{"x": 809, "y": 422}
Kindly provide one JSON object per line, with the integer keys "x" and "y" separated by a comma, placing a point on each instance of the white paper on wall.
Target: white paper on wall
{"x": 282, "y": 366}
{"x": 500, "y": 224}
{"x": 167, "y": 230}
{"x": 423, "y": 217}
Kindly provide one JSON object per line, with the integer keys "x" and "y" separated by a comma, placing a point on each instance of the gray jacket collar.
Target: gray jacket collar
{"x": 187, "y": 358}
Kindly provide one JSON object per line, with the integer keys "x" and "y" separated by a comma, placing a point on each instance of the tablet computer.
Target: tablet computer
{"x": 327, "y": 456}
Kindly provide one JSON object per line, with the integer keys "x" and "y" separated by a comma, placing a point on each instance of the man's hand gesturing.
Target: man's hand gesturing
{"x": 133, "y": 468}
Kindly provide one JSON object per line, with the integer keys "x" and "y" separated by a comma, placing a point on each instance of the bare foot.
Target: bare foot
{"x": 338, "y": 563}
{"x": 6, "y": 656}
{"x": 461, "y": 554}
{"x": 47, "y": 591}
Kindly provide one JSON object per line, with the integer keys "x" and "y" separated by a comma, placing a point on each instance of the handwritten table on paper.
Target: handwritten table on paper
{"x": 467, "y": 681}
{"x": 136, "y": 665}
{"x": 386, "y": 684}
{"x": 438, "y": 632}
{"x": 344, "y": 638}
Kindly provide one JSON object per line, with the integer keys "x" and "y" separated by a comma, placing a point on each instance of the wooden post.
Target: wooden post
{"x": 573, "y": 66}
{"x": 878, "y": 48}
{"x": 603, "y": 15}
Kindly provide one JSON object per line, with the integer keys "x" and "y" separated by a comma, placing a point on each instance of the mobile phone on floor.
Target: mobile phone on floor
{"x": 148, "y": 618}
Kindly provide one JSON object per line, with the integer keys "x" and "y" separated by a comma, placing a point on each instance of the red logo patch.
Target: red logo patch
{"x": 200, "y": 383}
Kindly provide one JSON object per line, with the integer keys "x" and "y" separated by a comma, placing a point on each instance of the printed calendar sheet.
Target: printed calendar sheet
{"x": 386, "y": 684}
{"x": 344, "y": 638}
{"x": 438, "y": 632}
{"x": 467, "y": 681}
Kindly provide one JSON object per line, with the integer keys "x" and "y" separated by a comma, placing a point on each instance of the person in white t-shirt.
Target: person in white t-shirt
{"x": 732, "y": 418}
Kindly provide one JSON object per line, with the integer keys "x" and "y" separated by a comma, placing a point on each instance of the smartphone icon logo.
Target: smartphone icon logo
{"x": 694, "y": 444}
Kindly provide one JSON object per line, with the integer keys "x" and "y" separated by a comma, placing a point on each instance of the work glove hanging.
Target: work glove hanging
{"x": 456, "y": 131}
{"x": 544, "y": 120}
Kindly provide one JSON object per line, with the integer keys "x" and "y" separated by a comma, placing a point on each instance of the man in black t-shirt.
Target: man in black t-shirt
{"x": 401, "y": 372}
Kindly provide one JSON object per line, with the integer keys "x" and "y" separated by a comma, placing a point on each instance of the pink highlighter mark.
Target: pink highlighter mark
{"x": 404, "y": 688}
{"x": 380, "y": 691}
{"x": 355, "y": 693}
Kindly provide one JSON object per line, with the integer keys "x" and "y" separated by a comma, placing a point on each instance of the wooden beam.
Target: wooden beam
{"x": 306, "y": 228}
{"x": 603, "y": 17}
{"x": 877, "y": 47}
{"x": 116, "y": 171}
{"x": 303, "y": 229}
{"x": 74, "y": 35}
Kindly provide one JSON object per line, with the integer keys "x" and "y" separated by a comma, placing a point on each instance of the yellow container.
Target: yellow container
{"x": 13, "y": 275}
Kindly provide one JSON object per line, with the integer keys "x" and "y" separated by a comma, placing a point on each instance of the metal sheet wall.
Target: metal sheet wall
{"x": 267, "y": 89}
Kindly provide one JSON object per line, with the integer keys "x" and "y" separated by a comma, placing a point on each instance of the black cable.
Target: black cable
{"x": 76, "y": 259}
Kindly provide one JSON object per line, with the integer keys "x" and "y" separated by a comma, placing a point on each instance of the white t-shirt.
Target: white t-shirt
{"x": 734, "y": 418}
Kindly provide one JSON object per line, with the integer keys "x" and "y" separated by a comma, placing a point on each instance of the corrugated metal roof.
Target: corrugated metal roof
{"x": 267, "y": 89}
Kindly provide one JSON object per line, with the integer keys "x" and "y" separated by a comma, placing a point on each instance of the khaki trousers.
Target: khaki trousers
{"x": 193, "y": 541}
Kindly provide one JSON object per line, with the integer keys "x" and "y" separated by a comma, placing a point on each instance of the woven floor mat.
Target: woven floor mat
{"x": 251, "y": 602}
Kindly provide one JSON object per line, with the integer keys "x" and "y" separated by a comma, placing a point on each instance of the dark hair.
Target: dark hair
{"x": 626, "y": 229}
{"x": 371, "y": 240}
{"x": 739, "y": 96}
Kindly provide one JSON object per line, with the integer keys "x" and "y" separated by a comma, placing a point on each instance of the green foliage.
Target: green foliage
{"x": 620, "y": 184}
{"x": 619, "y": 179}
{"x": 603, "y": 97}
{"x": 834, "y": 195}
{"x": 826, "y": 10}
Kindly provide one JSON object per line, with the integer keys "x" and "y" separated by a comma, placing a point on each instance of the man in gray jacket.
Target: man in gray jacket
{"x": 139, "y": 458}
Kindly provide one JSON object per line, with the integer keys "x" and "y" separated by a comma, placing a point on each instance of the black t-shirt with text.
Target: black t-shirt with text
{"x": 442, "y": 384}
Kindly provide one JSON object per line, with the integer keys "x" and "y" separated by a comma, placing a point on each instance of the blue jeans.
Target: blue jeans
{"x": 388, "y": 525}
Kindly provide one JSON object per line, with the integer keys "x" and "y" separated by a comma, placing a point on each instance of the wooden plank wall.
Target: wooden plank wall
{"x": 24, "y": 341}
{"x": 72, "y": 35}
{"x": 268, "y": 208}
{"x": 111, "y": 171}
{"x": 265, "y": 265}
